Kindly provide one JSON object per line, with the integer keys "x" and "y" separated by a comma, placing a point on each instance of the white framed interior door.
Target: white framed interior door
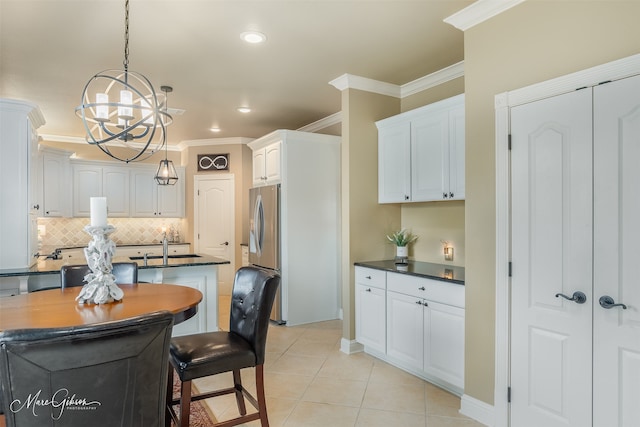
{"x": 214, "y": 224}
{"x": 551, "y": 185}
{"x": 616, "y": 379}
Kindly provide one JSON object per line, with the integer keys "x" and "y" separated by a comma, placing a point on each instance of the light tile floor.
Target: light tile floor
{"x": 310, "y": 382}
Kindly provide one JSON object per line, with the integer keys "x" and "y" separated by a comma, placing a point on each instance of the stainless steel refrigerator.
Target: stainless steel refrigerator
{"x": 264, "y": 236}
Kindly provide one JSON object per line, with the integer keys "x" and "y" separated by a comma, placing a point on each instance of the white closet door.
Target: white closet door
{"x": 616, "y": 380}
{"x": 551, "y": 361}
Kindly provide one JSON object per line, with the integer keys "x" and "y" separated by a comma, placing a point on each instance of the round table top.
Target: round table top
{"x": 58, "y": 307}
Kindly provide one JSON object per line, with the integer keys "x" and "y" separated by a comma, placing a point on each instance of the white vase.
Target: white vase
{"x": 402, "y": 252}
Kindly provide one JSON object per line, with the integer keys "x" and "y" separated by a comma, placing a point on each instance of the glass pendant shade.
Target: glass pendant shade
{"x": 166, "y": 173}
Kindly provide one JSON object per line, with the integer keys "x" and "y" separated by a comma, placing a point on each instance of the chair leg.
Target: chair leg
{"x": 262, "y": 402}
{"x": 237, "y": 384}
{"x": 185, "y": 403}
{"x": 169, "y": 397}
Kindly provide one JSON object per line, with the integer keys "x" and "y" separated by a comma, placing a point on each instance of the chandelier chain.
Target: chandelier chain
{"x": 126, "y": 35}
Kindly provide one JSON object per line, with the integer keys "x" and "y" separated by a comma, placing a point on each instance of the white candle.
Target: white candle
{"x": 98, "y": 211}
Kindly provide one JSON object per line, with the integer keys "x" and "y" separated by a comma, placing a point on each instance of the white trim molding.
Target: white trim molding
{"x": 211, "y": 141}
{"x": 331, "y": 120}
{"x": 477, "y": 409}
{"x": 350, "y": 346}
{"x": 350, "y": 81}
{"x": 614, "y": 70}
{"x": 479, "y": 12}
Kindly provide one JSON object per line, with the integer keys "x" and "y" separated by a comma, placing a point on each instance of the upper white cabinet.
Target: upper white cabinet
{"x": 19, "y": 204}
{"x": 94, "y": 179}
{"x": 267, "y": 160}
{"x": 55, "y": 182}
{"x": 148, "y": 199}
{"x": 421, "y": 154}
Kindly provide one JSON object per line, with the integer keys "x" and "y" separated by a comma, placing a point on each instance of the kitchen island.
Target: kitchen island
{"x": 193, "y": 270}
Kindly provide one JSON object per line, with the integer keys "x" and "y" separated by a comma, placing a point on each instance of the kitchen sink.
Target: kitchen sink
{"x": 135, "y": 258}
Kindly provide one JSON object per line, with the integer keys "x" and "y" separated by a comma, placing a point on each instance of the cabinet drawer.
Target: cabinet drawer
{"x": 433, "y": 290}
{"x": 371, "y": 277}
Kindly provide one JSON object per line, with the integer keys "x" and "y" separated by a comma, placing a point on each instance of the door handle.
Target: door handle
{"x": 607, "y": 302}
{"x": 578, "y": 297}
{"x": 225, "y": 243}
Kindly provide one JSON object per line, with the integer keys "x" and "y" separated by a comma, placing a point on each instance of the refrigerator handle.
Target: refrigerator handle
{"x": 258, "y": 222}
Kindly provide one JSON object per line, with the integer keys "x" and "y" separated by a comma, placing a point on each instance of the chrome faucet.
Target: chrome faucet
{"x": 165, "y": 249}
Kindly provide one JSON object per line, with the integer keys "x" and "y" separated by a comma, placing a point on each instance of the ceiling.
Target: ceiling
{"x": 49, "y": 49}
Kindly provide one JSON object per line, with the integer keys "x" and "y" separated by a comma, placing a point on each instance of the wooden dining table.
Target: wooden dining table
{"x": 58, "y": 307}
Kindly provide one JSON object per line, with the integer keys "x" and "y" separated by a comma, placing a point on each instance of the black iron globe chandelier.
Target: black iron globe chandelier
{"x": 132, "y": 129}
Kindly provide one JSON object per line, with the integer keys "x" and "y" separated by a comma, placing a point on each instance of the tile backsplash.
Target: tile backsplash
{"x": 69, "y": 232}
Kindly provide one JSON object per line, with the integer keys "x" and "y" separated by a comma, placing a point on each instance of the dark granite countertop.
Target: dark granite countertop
{"x": 429, "y": 270}
{"x": 53, "y": 266}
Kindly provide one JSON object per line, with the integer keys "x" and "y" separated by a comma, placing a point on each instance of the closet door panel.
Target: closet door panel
{"x": 552, "y": 225}
{"x": 617, "y": 252}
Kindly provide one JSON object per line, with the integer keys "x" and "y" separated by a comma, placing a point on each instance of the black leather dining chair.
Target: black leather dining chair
{"x": 73, "y": 275}
{"x": 100, "y": 375}
{"x": 204, "y": 354}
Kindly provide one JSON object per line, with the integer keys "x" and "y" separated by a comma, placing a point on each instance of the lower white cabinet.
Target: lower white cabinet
{"x": 370, "y": 309}
{"x": 420, "y": 319}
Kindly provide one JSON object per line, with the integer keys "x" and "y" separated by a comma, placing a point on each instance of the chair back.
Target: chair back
{"x": 73, "y": 275}
{"x": 104, "y": 374}
{"x": 254, "y": 290}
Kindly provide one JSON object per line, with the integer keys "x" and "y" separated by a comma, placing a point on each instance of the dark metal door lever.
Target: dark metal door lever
{"x": 607, "y": 302}
{"x": 578, "y": 297}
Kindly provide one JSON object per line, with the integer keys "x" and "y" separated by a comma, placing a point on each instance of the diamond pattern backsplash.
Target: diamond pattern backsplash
{"x": 69, "y": 232}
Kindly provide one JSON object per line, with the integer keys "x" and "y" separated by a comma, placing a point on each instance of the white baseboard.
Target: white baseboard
{"x": 477, "y": 409}
{"x": 350, "y": 347}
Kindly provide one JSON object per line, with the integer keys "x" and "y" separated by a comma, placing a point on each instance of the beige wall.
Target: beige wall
{"x": 533, "y": 42}
{"x": 364, "y": 221}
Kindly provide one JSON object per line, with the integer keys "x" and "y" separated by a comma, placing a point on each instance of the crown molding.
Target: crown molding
{"x": 479, "y": 12}
{"x": 81, "y": 140}
{"x": 331, "y": 120}
{"x": 212, "y": 141}
{"x": 350, "y": 81}
{"x": 432, "y": 80}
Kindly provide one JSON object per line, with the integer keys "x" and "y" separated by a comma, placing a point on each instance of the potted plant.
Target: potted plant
{"x": 402, "y": 239}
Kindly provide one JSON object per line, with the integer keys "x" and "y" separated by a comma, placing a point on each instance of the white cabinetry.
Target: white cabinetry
{"x": 19, "y": 206}
{"x": 421, "y": 154}
{"x": 55, "y": 182}
{"x": 370, "y": 309}
{"x": 93, "y": 179}
{"x": 267, "y": 160}
{"x": 420, "y": 319}
{"x": 148, "y": 199}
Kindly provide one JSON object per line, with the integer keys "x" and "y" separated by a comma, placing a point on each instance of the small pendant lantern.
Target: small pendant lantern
{"x": 166, "y": 173}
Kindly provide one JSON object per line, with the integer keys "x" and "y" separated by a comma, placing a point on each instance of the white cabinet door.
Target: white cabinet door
{"x": 171, "y": 197}
{"x": 394, "y": 163}
{"x": 143, "y": 193}
{"x": 272, "y": 158}
{"x": 430, "y": 157}
{"x": 115, "y": 187}
{"x": 456, "y": 153}
{"x": 87, "y": 183}
{"x": 444, "y": 342}
{"x": 370, "y": 317}
{"x": 405, "y": 330}
{"x": 267, "y": 164}
{"x": 56, "y": 185}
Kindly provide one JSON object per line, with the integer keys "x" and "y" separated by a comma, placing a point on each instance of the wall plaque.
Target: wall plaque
{"x": 213, "y": 162}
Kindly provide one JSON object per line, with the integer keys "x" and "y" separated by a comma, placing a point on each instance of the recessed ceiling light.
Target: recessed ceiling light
{"x": 253, "y": 37}
{"x": 214, "y": 129}
{"x": 244, "y": 109}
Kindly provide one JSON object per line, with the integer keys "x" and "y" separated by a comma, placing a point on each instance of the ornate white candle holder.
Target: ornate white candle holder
{"x": 101, "y": 285}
